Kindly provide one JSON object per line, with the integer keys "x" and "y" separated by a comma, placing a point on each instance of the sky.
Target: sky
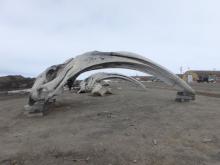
{"x": 35, "y": 34}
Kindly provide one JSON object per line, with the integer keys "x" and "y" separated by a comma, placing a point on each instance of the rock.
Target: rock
{"x": 206, "y": 140}
{"x": 38, "y": 109}
{"x": 126, "y": 134}
{"x": 105, "y": 114}
{"x": 154, "y": 141}
{"x": 38, "y": 114}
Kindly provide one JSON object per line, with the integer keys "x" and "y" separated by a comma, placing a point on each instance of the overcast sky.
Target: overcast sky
{"x": 35, "y": 34}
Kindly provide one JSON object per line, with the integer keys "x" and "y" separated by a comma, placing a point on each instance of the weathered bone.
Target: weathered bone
{"x": 100, "y": 90}
{"x": 88, "y": 84}
{"x": 50, "y": 83}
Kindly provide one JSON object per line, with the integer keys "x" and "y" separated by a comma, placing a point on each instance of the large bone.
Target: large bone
{"x": 100, "y": 90}
{"x": 88, "y": 84}
{"x": 50, "y": 83}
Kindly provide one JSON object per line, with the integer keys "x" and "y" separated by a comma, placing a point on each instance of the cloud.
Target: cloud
{"x": 38, "y": 33}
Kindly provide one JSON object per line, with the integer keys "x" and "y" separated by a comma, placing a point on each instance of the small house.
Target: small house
{"x": 201, "y": 76}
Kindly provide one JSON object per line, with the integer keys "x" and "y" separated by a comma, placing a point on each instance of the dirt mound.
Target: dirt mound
{"x": 15, "y": 82}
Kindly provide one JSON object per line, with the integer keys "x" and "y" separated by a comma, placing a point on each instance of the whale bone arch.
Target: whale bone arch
{"x": 50, "y": 83}
{"x": 88, "y": 84}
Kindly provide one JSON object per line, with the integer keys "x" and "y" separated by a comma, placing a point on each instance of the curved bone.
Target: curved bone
{"x": 50, "y": 83}
{"x": 87, "y": 84}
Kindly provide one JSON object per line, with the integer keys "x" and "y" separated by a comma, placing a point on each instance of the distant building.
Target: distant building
{"x": 201, "y": 76}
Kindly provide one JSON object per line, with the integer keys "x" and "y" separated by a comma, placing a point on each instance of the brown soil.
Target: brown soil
{"x": 130, "y": 127}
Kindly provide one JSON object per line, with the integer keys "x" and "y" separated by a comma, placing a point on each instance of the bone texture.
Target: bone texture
{"x": 50, "y": 83}
{"x": 88, "y": 84}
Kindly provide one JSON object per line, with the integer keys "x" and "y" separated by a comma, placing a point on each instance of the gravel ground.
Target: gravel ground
{"x": 132, "y": 126}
